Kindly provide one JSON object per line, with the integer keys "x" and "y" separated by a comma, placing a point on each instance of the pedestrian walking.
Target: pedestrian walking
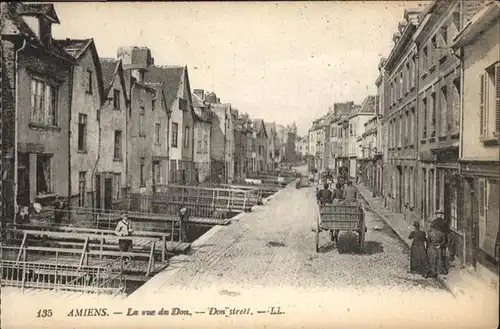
{"x": 418, "y": 254}
{"x": 124, "y": 228}
{"x": 444, "y": 226}
{"x": 435, "y": 246}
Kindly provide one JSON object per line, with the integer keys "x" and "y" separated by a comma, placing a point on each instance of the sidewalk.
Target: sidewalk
{"x": 458, "y": 280}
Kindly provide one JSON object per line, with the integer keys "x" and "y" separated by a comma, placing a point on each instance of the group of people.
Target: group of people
{"x": 430, "y": 251}
{"x": 339, "y": 194}
{"x": 24, "y": 211}
{"x": 345, "y": 194}
{"x": 124, "y": 229}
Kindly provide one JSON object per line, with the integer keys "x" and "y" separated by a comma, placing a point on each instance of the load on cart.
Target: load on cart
{"x": 337, "y": 214}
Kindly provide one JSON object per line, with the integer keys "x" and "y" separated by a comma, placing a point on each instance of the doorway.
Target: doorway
{"x": 400, "y": 190}
{"x": 108, "y": 196}
{"x": 98, "y": 191}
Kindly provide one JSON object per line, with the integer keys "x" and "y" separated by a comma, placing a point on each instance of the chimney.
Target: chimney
{"x": 395, "y": 37}
{"x": 200, "y": 93}
{"x": 136, "y": 59}
{"x": 211, "y": 98}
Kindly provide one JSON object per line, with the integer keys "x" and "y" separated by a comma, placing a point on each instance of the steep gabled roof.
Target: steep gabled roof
{"x": 44, "y": 9}
{"x": 170, "y": 77}
{"x": 259, "y": 125}
{"x": 14, "y": 24}
{"x": 111, "y": 68}
{"x": 74, "y": 47}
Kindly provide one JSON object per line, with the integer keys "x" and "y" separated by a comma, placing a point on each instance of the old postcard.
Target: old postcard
{"x": 327, "y": 164}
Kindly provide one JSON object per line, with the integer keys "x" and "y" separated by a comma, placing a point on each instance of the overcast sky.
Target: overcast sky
{"x": 282, "y": 62}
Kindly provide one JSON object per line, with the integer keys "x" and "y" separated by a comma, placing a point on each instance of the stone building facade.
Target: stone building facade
{"x": 478, "y": 199}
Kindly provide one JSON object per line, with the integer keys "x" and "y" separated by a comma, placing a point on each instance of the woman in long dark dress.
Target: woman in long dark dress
{"x": 435, "y": 244}
{"x": 418, "y": 256}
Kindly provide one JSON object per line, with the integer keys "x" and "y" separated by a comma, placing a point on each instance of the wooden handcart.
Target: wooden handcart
{"x": 338, "y": 217}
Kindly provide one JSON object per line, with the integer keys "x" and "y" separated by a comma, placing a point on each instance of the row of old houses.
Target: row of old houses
{"x": 92, "y": 129}
{"x": 429, "y": 139}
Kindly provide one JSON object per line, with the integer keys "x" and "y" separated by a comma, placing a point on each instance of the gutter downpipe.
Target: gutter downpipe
{"x": 168, "y": 135}
{"x": 417, "y": 117}
{"x": 99, "y": 143}
{"x": 70, "y": 102}
{"x": 132, "y": 87}
{"x": 16, "y": 116}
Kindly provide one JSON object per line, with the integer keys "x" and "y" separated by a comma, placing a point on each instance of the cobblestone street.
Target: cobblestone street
{"x": 275, "y": 246}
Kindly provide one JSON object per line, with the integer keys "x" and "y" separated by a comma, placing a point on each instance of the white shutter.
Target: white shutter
{"x": 482, "y": 104}
{"x": 482, "y": 208}
{"x": 497, "y": 98}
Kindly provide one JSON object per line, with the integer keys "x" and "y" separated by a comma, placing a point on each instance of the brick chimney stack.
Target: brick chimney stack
{"x": 136, "y": 59}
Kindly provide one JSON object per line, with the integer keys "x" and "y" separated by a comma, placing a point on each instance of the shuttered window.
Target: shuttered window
{"x": 497, "y": 99}
{"x": 488, "y": 214}
{"x": 482, "y": 107}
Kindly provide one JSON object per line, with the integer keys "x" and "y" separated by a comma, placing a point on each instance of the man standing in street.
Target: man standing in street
{"x": 443, "y": 226}
{"x": 351, "y": 194}
{"x": 124, "y": 228}
{"x": 325, "y": 195}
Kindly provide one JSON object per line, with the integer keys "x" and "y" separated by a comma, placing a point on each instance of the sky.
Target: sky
{"x": 284, "y": 62}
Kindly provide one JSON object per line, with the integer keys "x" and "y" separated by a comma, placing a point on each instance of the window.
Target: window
{"x": 153, "y": 104}
{"x": 392, "y": 93}
{"x": 142, "y": 113}
{"x": 89, "y": 81}
{"x": 455, "y": 114}
{"x": 425, "y": 58}
{"x": 454, "y": 209}
{"x": 116, "y": 99}
{"x": 412, "y": 124}
{"x": 157, "y": 133}
{"x": 81, "y": 188}
{"x": 401, "y": 84}
{"x": 433, "y": 115}
{"x": 434, "y": 50}
{"x": 444, "y": 35}
{"x": 489, "y": 109}
{"x": 488, "y": 214}
{"x": 183, "y": 104}
{"x": 412, "y": 72}
{"x": 205, "y": 142}
{"x": 407, "y": 73}
{"x": 118, "y": 145}
{"x": 117, "y": 186}
{"x": 186, "y": 136}
{"x": 82, "y": 132}
{"x": 407, "y": 128}
{"x": 142, "y": 173}
{"x": 175, "y": 133}
{"x": 424, "y": 118}
{"x": 43, "y": 103}
{"x": 43, "y": 174}
{"x": 156, "y": 173}
{"x": 173, "y": 165}
{"x": 443, "y": 127}
{"x": 199, "y": 140}
{"x": 430, "y": 192}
